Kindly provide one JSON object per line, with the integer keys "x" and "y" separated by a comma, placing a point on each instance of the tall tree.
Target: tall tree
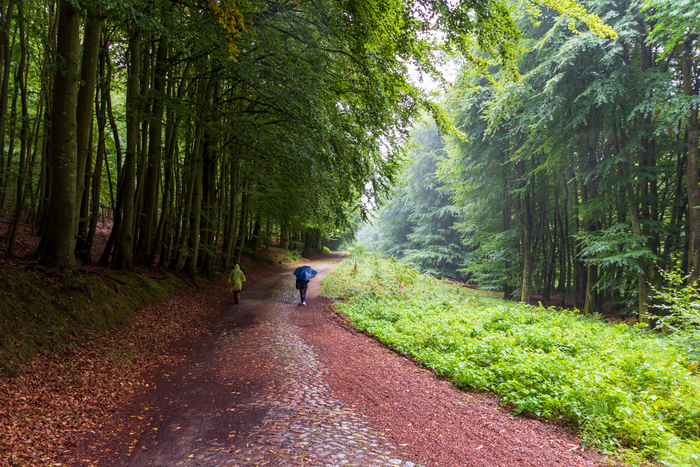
{"x": 58, "y": 249}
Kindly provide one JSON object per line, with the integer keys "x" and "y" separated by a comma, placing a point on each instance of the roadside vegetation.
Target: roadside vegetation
{"x": 43, "y": 311}
{"x": 631, "y": 392}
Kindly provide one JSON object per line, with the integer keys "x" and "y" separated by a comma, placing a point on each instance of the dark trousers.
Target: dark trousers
{"x": 301, "y": 286}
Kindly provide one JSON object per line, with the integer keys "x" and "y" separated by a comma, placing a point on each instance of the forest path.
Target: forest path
{"x": 280, "y": 384}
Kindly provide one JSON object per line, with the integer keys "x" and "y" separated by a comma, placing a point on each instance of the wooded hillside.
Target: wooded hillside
{"x": 580, "y": 181}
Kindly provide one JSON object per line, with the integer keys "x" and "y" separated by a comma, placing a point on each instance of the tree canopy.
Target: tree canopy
{"x": 580, "y": 180}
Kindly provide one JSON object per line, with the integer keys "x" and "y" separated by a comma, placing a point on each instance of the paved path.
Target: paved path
{"x": 254, "y": 394}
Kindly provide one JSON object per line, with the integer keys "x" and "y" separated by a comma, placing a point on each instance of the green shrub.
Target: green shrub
{"x": 627, "y": 389}
{"x": 681, "y": 300}
{"x": 326, "y": 249}
{"x": 291, "y": 256}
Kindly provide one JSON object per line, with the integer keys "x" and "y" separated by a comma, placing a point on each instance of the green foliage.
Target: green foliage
{"x": 627, "y": 389}
{"x": 418, "y": 226}
{"x": 326, "y": 249}
{"x": 681, "y": 300}
{"x": 292, "y": 256}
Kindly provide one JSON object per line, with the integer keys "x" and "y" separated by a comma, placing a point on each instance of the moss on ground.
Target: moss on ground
{"x": 43, "y": 311}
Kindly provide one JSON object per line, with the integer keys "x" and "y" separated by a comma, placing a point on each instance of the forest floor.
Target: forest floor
{"x": 270, "y": 382}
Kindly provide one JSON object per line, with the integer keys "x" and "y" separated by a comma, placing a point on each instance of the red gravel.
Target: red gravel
{"x": 436, "y": 422}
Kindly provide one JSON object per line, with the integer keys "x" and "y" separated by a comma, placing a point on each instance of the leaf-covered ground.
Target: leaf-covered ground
{"x": 52, "y": 402}
{"x": 55, "y": 399}
{"x": 275, "y": 383}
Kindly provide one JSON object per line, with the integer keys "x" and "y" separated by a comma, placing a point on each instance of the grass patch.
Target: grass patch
{"x": 43, "y": 311}
{"x": 629, "y": 391}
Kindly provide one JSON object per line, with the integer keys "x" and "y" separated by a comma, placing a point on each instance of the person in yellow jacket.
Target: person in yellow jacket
{"x": 236, "y": 279}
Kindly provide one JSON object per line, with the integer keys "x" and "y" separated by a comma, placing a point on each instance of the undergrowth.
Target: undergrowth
{"x": 629, "y": 391}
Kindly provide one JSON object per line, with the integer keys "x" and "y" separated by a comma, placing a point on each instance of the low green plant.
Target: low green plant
{"x": 326, "y": 249}
{"x": 628, "y": 390}
{"x": 291, "y": 256}
{"x": 681, "y": 300}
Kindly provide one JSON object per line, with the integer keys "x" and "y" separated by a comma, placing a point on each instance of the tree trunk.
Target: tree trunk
{"x": 692, "y": 179}
{"x": 24, "y": 132}
{"x": 123, "y": 258}
{"x": 101, "y": 104}
{"x": 589, "y": 306}
{"x": 145, "y": 243}
{"x": 209, "y": 173}
{"x": 86, "y": 100}
{"x": 527, "y": 243}
{"x": 4, "y": 94}
{"x": 42, "y": 218}
{"x": 233, "y": 209}
{"x": 171, "y": 151}
{"x": 505, "y": 226}
{"x": 142, "y": 141}
{"x": 641, "y": 277}
{"x": 197, "y": 170}
{"x": 58, "y": 251}
{"x": 245, "y": 208}
{"x": 181, "y": 240}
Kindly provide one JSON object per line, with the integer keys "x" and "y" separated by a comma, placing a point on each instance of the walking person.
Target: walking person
{"x": 303, "y": 274}
{"x": 236, "y": 279}
{"x": 302, "y": 285}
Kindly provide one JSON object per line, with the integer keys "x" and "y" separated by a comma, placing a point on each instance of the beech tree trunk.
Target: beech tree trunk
{"x": 4, "y": 92}
{"x": 58, "y": 251}
{"x": 86, "y": 100}
{"x": 101, "y": 104}
{"x": 233, "y": 209}
{"x": 124, "y": 254}
{"x": 154, "y": 157}
{"x": 24, "y": 132}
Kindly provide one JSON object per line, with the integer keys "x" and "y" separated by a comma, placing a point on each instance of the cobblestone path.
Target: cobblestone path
{"x": 302, "y": 423}
{"x": 305, "y": 424}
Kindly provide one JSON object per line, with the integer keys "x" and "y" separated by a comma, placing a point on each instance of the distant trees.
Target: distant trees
{"x": 418, "y": 226}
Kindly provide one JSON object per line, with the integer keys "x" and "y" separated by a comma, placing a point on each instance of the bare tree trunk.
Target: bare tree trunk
{"x": 42, "y": 218}
{"x": 86, "y": 100}
{"x": 692, "y": 179}
{"x": 154, "y": 157}
{"x": 142, "y": 141}
{"x": 101, "y": 104}
{"x": 642, "y": 289}
{"x": 242, "y": 232}
{"x": 527, "y": 244}
{"x": 25, "y": 141}
{"x": 124, "y": 258}
{"x": 233, "y": 209}
{"x": 4, "y": 94}
{"x": 58, "y": 251}
{"x": 197, "y": 173}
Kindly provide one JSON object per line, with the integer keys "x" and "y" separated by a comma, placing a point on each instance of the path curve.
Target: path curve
{"x": 280, "y": 384}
